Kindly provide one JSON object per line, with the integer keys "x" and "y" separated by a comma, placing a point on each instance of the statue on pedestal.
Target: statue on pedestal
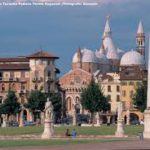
{"x": 120, "y": 121}
{"x": 48, "y": 122}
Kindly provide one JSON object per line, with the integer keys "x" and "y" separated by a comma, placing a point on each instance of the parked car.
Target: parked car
{"x": 29, "y": 123}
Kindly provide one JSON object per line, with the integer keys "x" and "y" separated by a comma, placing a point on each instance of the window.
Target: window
{"x": 3, "y": 87}
{"x": 109, "y": 88}
{"x": 22, "y": 74}
{"x": 131, "y": 93}
{"x": 36, "y": 87}
{"x": 49, "y": 73}
{"x": 118, "y": 98}
{"x": 118, "y": 88}
{"x": 1, "y": 75}
{"x": 1, "y": 99}
{"x": 123, "y": 93}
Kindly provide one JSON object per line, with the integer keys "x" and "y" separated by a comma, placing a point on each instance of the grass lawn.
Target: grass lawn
{"x": 103, "y": 130}
{"x": 24, "y": 143}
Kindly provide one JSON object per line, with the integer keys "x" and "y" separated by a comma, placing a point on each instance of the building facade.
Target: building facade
{"x": 23, "y": 74}
{"x": 115, "y": 70}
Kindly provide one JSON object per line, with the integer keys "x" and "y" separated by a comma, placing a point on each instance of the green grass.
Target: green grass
{"x": 24, "y": 143}
{"x": 103, "y": 130}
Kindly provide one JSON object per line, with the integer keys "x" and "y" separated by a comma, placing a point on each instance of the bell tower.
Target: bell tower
{"x": 140, "y": 39}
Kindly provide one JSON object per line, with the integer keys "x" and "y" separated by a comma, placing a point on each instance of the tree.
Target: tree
{"x": 57, "y": 104}
{"x": 11, "y": 106}
{"x": 93, "y": 99}
{"x": 140, "y": 96}
{"x": 36, "y": 100}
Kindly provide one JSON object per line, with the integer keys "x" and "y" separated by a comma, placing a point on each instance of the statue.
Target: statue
{"x": 48, "y": 110}
{"x": 48, "y": 123}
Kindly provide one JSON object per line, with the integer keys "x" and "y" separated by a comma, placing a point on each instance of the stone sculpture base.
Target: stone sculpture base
{"x": 146, "y": 132}
{"x": 120, "y": 128}
{"x": 48, "y": 129}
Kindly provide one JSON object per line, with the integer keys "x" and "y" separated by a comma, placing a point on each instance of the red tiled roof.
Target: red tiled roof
{"x": 42, "y": 54}
{"x": 15, "y": 59}
{"x": 14, "y": 67}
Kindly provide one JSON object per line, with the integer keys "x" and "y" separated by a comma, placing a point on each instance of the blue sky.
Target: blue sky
{"x": 62, "y": 29}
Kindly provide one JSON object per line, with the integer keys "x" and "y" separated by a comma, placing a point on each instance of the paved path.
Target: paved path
{"x": 117, "y": 145}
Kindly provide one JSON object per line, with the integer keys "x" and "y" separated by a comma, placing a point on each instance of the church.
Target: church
{"x": 118, "y": 72}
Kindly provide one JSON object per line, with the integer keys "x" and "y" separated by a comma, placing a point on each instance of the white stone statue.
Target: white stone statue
{"x": 4, "y": 124}
{"x": 48, "y": 122}
{"x": 48, "y": 110}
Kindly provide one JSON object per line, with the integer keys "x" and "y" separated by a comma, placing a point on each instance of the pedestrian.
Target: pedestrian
{"x": 73, "y": 133}
{"x": 67, "y": 133}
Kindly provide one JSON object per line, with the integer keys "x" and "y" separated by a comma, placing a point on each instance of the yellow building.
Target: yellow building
{"x": 23, "y": 74}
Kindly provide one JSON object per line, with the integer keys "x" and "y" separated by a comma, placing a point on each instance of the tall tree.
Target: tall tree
{"x": 140, "y": 96}
{"x": 93, "y": 99}
{"x": 11, "y": 106}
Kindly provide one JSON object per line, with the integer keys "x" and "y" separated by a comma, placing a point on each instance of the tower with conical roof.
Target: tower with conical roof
{"x": 107, "y": 29}
{"x": 140, "y": 39}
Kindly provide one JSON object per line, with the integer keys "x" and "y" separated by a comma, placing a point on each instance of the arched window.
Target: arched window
{"x": 48, "y": 73}
{"x": 69, "y": 103}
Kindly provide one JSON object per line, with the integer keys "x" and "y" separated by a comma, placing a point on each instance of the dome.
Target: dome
{"x": 102, "y": 59}
{"x": 111, "y": 51}
{"x": 132, "y": 58}
{"x": 88, "y": 56}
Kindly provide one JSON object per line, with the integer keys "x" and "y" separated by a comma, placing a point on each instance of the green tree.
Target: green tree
{"x": 140, "y": 96}
{"x": 57, "y": 104}
{"x": 11, "y": 106}
{"x": 93, "y": 99}
{"x": 36, "y": 100}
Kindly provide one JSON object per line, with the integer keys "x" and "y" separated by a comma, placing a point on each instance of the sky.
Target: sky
{"x": 62, "y": 29}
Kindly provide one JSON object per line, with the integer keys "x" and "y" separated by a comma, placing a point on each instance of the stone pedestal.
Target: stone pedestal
{"x": 74, "y": 120}
{"x": 97, "y": 120}
{"x": 48, "y": 129}
{"x": 120, "y": 128}
{"x": 4, "y": 124}
{"x": 21, "y": 124}
{"x": 146, "y": 132}
{"x": 128, "y": 117}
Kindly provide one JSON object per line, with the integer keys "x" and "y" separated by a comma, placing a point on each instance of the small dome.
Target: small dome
{"x": 102, "y": 59}
{"x": 111, "y": 51}
{"x": 132, "y": 58}
{"x": 88, "y": 56}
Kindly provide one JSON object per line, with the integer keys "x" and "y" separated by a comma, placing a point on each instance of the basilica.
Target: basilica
{"x": 118, "y": 72}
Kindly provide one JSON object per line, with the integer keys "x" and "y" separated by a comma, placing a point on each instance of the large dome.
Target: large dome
{"x": 132, "y": 58}
{"x": 88, "y": 56}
